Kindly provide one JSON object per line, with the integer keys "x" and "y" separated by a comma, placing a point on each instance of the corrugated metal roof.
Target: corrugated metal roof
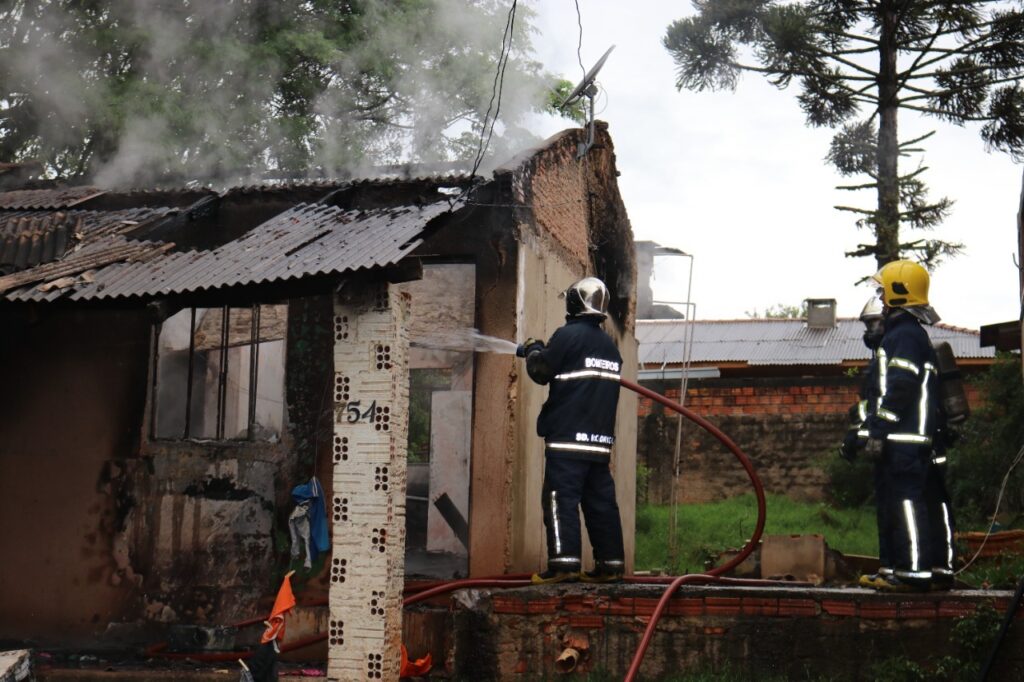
{"x": 91, "y": 239}
{"x": 774, "y": 342}
{"x": 309, "y": 239}
{"x": 27, "y": 240}
{"x": 64, "y": 197}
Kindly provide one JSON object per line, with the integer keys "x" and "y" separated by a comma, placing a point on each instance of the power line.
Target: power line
{"x": 496, "y": 89}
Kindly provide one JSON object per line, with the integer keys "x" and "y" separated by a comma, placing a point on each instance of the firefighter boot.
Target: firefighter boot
{"x": 561, "y": 572}
{"x": 893, "y": 584}
{"x": 604, "y": 572}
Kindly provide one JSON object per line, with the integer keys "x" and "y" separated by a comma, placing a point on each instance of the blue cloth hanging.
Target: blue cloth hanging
{"x": 313, "y": 493}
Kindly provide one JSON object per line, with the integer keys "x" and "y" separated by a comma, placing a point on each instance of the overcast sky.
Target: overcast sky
{"x": 737, "y": 180}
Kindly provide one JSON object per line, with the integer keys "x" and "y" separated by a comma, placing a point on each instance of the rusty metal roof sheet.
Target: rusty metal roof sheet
{"x": 66, "y": 244}
{"x": 307, "y": 240}
{"x": 32, "y": 238}
{"x": 774, "y": 342}
{"x": 63, "y": 197}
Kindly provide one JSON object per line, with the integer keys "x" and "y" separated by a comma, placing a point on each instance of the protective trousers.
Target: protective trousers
{"x": 941, "y": 526}
{"x": 905, "y": 521}
{"x": 568, "y": 485}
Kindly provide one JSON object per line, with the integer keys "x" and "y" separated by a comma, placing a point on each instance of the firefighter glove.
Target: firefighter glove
{"x": 531, "y": 344}
{"x": 848, "y": 450}
{"x": 873, "y": 449}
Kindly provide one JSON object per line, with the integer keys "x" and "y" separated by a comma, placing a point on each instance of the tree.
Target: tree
{"x": 780, "y": 311}
{"x": 957, "y": 60}
{"x": 124, "y": 90}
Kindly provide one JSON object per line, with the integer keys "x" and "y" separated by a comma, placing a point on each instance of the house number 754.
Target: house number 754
{"x": 354, "y": 414}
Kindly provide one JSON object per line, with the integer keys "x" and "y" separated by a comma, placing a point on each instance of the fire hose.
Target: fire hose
{"x": 428, "y": 591}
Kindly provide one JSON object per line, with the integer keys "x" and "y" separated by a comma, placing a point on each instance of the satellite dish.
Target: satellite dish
{"x": 586, "y": 86}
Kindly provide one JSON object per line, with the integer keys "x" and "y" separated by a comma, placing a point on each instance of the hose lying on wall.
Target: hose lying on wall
{"x": 711, "y": 575}
{"x": 424, "y": 592}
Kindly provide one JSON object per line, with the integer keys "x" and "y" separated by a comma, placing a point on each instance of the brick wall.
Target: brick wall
{"x": 784, "y": 425}
{"x": 777, "y": 632}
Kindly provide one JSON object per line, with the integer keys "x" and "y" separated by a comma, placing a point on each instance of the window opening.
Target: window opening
{"x": 220, "y": 374}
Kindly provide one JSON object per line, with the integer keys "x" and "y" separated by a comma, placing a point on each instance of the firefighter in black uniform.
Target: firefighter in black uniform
{"x": 901, "y": 425}
{"x": 577, "y": 422}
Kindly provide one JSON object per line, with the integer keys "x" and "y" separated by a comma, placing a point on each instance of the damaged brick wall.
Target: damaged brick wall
{"x": 785, "y": 426}
{"x": 777, "y": 633}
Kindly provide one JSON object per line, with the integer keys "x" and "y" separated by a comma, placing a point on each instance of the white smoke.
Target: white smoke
{"x": 202, "y": 101}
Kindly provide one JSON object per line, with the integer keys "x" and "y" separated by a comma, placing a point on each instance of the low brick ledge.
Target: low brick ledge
{"x": 790, "y": 632}
{"x": 728, "y": 600}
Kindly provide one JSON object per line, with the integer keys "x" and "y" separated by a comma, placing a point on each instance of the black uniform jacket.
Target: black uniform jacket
{"x": 582, "y": 365}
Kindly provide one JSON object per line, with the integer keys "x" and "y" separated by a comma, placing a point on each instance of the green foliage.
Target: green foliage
{"x": 972, "y": 637}
{"x": 992, "y": 438}
{"x": 643, "y": 478}
{"x": 851, "y": 485}
{"x": 422, "y": 384}
{"x": 126, "y": 90}
{"x": 957, "y": 62}
{"x": 780, "y": 311}
{"x": 704, "y": 530}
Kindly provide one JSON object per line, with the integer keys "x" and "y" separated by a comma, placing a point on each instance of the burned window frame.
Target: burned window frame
{"x": 223, "y": 350}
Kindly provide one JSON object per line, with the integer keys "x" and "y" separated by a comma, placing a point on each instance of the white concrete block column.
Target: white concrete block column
{"x": 371, "y": 401}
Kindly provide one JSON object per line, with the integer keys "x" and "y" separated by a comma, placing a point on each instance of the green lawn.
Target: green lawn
{"x": 706, "y": 529}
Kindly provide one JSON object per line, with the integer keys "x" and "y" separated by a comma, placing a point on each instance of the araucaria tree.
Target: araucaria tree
{"x": 858, "y": 63}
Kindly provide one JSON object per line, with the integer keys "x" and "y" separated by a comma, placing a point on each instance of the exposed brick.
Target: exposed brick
{"x": 835, "y": 607}
{"x": 507, "y": 605}
{"x": 886, "y": 610}
{"x": 645, "y": 606}
{"x": 798, "y": 607}
{"x": 722, "y": 606}
{"x": 757, "y": 606}
{"x": 623, "y": 606}
{"x": 543, "y": 605}
{"x": 955, "y": 609}
{"x": 686, "y": 606}
{"x": 918, "y": 609}
{"x": 591, "y": 622}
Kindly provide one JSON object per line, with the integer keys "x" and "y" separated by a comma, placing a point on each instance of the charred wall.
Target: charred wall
{"x": 74, "y": 391}
{"x": 122, "y": 536}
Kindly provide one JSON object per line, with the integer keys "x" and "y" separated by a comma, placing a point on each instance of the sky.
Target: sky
{"x": 738, "y": 181}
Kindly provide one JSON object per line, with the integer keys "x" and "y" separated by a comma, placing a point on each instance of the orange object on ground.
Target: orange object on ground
{"x": 284, "y": 603}
{"x": 421, "y": 666}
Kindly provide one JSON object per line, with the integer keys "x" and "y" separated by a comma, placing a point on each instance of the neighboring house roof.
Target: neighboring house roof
{"x": 82, "y": 255}
{"x": 774, "y": 342}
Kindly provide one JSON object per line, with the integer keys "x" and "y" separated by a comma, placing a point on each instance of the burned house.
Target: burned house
{"x": 176, "y": 361}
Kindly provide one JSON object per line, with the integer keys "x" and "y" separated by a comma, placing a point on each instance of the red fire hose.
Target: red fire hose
{"x": 638, "y": 657}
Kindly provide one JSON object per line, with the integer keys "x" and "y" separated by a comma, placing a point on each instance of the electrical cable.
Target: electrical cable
{"x": 999, "y": 501}
{"x": 496, "y": 89}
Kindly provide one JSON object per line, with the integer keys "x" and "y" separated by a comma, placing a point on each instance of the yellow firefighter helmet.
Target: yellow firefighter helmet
{"x": 904, "y": 284}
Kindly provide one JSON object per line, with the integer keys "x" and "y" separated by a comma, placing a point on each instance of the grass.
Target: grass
{"x": 704, "y": 530}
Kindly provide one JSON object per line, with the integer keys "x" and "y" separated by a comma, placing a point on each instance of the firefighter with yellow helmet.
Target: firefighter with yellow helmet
{"x": 900, "y": 431}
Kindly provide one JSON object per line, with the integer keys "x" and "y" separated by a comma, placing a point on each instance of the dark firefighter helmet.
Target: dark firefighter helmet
{"x": 587, "y": 298}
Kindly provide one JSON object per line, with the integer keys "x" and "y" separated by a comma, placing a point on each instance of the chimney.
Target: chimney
{"x": 821, "y": 313}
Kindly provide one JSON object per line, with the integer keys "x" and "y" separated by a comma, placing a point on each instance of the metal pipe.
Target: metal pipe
{"x": 191, "y": 369}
